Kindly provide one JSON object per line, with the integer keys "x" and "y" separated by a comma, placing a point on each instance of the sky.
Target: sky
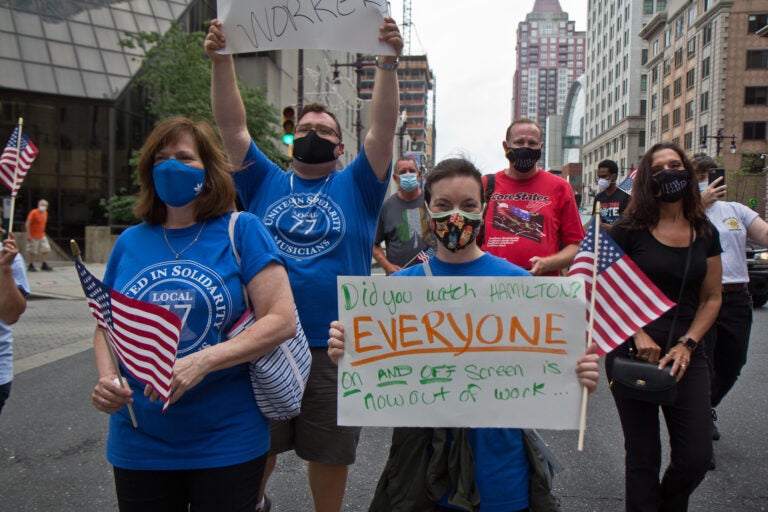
{"x": 470, "y": 46}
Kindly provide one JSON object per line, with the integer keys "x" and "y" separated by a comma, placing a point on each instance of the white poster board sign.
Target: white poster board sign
{"x": 461, "y": 351}
{"x": 261, "y": 25}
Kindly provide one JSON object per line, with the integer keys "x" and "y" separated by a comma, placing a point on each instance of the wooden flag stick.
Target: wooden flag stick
{"x": 585, "y": 393}
{"x": 121, "y": 380}
{"x": 15, "y": 176}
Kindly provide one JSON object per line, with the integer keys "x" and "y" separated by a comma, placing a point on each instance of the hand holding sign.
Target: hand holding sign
{"x": 251, "y": 26}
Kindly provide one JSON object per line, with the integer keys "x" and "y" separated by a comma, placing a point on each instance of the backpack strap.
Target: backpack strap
{"x": 231, "y": 230}
{"x": 489, "y": 182}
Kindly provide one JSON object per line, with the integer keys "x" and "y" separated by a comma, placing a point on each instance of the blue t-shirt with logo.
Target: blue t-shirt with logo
{"x": 323, "y": 228}
{"x": 501, "y": 465}
{"x": 216, "y": 423}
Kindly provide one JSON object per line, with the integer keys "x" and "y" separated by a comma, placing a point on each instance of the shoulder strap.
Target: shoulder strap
{"x": 682, "y": 289}
{"x": 231, "y": 230}
{"x": 489, "y": 183}
{"x": 427, "y": 269}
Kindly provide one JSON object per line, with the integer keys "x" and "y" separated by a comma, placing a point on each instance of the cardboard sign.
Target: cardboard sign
{"x": 461, "y": 351}
{"x": 261, "y": 25}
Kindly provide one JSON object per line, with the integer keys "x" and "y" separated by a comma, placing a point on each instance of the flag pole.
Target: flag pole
{"x": 585, "y": 393}
{"x": 121, "y": 380}
{"x": 15, "y": 176}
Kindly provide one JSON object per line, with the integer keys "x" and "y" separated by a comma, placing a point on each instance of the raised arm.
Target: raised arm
{"x": 385, "y": 104}
{"x": 227, "y": 105}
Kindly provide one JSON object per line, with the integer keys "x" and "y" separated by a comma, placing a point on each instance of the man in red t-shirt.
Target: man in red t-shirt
{"x": 531, "y": 219}
{"x": 37, "y": 243}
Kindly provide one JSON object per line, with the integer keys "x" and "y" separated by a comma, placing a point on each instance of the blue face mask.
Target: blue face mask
{"x": 409, "y": 182}
{"x": 177, "y": 184}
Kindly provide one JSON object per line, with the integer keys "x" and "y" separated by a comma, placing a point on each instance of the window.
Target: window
{"x": 754, "y": 130}
{"x": 641, "y": 139}
{"x": 705, "y": 68}
{"x": 665, "y": 122}
{"x": 667, "y": 66}
{"x": 676, "y": 117}
{"x": 692, "y": 47}
{"x": 653, "y": 128}
{"x": 654, "y": 101}
{"x": 689, "y": 110}
{"x": 757, "y": 59}
{"x": 665, "y": 95}
{"x": 679, "y": 26}
{"x": 706, "y": 34}
{"x": 678, "y": 87}
{"x": 678, "y": 57}
{"x": 704, "y": 104}
{"x": 688, "y": 141}
{"x": 647, "y": 6}
{"x": 655, "y": 74}
{"x": 756, "y": 22}
{"x": 644, "y": 53}
{"x": 643, "y": 83}
{"x": 643, "y": 107}
{"x": 690, "y": 76}
{"x": 756, "y": 95}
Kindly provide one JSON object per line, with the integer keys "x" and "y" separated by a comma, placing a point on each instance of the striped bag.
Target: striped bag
{"x": 278, "y": 378}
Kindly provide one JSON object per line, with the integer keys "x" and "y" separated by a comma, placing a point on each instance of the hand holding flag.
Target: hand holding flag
{"x": 143, "y": 335}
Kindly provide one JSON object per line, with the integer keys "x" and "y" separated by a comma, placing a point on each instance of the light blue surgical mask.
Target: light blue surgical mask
{"x": 177, "y": 184}
{"x": 703, "y": 186}
{"x": 409, "y": 182}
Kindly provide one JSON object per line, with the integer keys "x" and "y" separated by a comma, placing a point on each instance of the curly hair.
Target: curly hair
{"x": 218, "y": 194}
{"x": 643, "y": 209}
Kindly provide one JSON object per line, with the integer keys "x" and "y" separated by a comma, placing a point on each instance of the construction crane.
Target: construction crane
{"x": 406, "y": 27}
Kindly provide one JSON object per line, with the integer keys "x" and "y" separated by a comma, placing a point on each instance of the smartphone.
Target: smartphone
{"x": 717, "y": 173}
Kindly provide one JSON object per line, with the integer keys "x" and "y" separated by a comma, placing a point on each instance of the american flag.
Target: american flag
{"x": 626, "y": 299}
{"x": 626, "y": 185}
{"x": 425, "y": 254}
{"x": 143, "y": 335}
{"x": 9, "y": 157}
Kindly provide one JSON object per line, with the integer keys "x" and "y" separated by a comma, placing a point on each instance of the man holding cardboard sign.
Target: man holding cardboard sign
{"x": 324, "y": 222}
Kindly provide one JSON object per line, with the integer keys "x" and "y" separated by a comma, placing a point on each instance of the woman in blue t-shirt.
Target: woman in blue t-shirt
{"x": 453, "y": 194}
{"x": 208, "y": 449}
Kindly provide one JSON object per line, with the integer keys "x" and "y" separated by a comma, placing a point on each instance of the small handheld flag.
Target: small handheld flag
{"x": 16, "y": 160}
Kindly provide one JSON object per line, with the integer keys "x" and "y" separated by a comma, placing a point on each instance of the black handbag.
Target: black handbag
{"x": 636, "y": 379}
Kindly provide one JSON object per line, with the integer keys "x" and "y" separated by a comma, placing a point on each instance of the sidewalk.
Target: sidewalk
{"x": 62, "y": 282}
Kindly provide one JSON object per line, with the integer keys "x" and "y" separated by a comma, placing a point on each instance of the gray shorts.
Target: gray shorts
{"x": 314, "y": 434}
{"x": 38, "y": 245}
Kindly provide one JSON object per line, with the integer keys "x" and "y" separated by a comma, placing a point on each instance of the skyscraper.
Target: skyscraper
{"x": 549, "y": 58}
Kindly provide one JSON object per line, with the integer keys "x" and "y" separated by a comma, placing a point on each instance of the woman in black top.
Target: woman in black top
{"x": 655, "y": 232}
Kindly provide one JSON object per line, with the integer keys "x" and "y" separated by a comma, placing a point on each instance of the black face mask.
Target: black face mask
{"x": 313, "y": 149}
{"x": 523, "y": 159}
{"x": 669, "y": 185}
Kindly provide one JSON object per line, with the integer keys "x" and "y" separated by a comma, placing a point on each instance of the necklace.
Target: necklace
{"x": 313, "y": 200}
{"x": 177, "y": 254}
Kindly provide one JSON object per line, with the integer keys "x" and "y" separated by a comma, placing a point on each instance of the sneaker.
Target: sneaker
{"x": 45, "y": 266}
{"x": 267, "y": 506}
{"x": 715, "y": 431}
{"x": 31, "y": 268}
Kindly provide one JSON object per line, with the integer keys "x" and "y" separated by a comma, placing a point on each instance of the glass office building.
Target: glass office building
{"x": 64, "y": 71}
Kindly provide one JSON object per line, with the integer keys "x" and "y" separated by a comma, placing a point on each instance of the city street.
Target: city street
{"x": 52, "y": 439}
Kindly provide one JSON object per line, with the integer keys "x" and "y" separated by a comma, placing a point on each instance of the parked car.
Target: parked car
{"x": 757, "y": 264}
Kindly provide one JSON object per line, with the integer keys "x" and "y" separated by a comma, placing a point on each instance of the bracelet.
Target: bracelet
{"x": 387, "y": 66}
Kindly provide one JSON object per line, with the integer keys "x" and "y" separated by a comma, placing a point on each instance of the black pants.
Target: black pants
{"x": 226, "y": 489}
{"x": 727, "y": 343}
{"x": 688, "y": 423}
{"x": 5, "y": 392}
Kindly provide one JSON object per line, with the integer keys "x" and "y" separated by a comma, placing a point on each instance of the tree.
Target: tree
{"x": 176, "y": 76}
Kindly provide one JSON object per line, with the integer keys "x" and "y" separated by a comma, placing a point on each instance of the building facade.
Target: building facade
{"x": 550, "y": 56}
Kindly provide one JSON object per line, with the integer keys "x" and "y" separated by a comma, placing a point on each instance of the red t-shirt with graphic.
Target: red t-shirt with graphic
{"x": 533, "y": 217}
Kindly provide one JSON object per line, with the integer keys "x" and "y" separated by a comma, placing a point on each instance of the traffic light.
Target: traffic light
{"x": 289, "y": 124}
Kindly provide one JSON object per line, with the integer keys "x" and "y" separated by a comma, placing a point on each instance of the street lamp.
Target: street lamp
{"x": 719, "y": 138}
{"x": 358, "y": 65}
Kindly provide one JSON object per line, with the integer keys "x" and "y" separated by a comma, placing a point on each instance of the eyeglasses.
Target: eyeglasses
{"x": 320, "y": 129}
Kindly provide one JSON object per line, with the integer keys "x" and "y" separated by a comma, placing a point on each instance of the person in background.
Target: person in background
{"x": 400, "y": 221}
{"x": 532, "y": 219}
{"x": 324, "y": 222}
{"x": 37, "y": 242}
{"x": 14, "y": 289}
{"x": 664, "y": 214}
{"x": 613, "y": 201}
{"x": 453, "y": 195}
{"x": 207, "y": 451}
{"x": 727, "y": 343}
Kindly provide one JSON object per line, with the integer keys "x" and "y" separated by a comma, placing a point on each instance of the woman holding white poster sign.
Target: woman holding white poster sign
{"x": 485, "y": 469}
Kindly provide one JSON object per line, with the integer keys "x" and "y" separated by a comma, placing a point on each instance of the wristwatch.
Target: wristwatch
{"x": 689, "y": 343}
{"x": 385, "y": 65}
